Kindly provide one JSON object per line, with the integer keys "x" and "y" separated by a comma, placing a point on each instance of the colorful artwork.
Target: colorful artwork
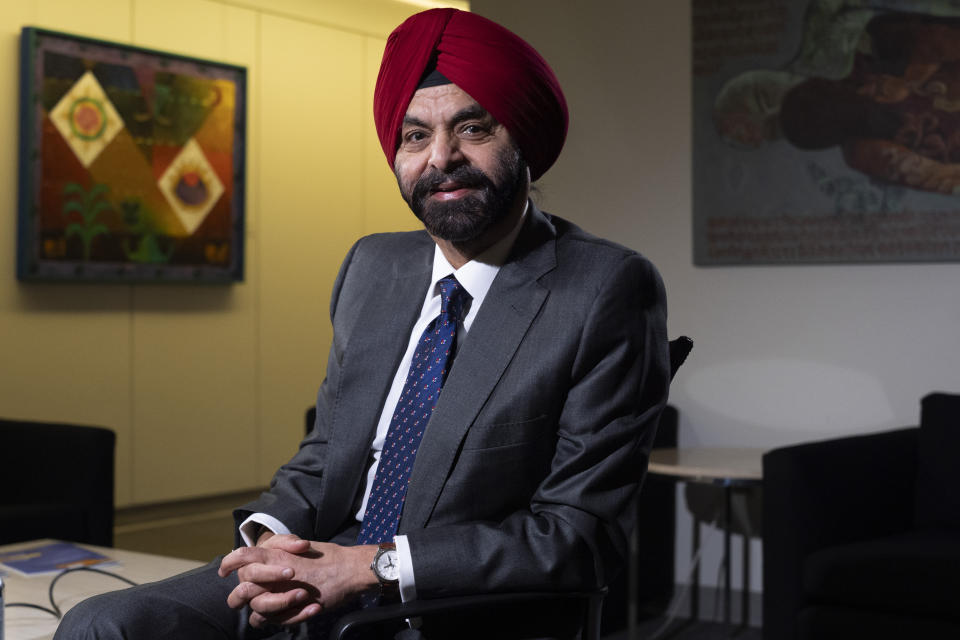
{"x": 826, "y": 131}
{"x": 131, "y": 164}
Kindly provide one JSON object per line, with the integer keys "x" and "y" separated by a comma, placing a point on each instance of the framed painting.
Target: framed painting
{"x": 826, "y": 131}
{"x": 131, "y": 163}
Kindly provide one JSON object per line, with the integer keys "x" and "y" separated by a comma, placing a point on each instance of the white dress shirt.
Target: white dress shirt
{"x": 475, "y": 277}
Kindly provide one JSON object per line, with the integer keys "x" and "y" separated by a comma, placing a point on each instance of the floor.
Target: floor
{"x": 674, "y": 624}
{"x": 654, "y": 630}
{"x": 203, "y": 529}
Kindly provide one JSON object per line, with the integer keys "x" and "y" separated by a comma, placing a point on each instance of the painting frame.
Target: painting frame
{"x": 132, "y": 163}
{"x": 825, "y": 132}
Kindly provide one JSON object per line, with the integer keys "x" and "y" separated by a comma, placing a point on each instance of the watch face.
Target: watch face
{"x": 387, "y": 568}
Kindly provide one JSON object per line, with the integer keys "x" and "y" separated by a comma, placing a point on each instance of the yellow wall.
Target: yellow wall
{"x": 206, "y": 387}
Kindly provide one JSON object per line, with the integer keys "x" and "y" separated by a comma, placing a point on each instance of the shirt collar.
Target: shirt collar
{"x": 477, "y": 276}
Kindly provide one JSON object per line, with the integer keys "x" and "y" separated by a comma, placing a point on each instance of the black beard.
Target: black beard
{"x": 467, "y": 218}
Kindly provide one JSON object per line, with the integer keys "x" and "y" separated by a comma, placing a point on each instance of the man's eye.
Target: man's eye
{"x": 473, "y": 130}
{"x": 414, "y": 136}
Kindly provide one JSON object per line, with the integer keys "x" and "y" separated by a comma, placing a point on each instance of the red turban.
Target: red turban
{"x": 499, "y": 70}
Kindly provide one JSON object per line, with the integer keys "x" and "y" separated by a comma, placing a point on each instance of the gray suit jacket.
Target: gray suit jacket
{"x": 529, "y": 468}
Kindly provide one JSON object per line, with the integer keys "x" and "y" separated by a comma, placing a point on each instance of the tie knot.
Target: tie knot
{"x": 452, "y": 297}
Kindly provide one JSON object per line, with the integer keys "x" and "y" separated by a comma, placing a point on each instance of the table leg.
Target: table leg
{"x": 695, "y": 579}
{"x": 745, "y": 597}
{"x": 633, "y": 585}
{"x": 666, "y": 632}
{"x": 727, "y": 513}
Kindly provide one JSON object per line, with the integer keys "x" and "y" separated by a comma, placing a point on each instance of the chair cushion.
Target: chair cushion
{"x": 916, "y": 573}
{"x": 938, "y": 501}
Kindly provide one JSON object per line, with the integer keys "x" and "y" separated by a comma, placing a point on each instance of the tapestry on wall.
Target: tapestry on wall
{"x": 131, "y": 163}
{"x": 826, "y": 131}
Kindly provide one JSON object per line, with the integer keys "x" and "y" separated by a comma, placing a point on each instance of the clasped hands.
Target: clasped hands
{"x": 286, "y": 579}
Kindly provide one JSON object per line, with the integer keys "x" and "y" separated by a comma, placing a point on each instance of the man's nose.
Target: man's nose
{"x": 445, "y": 152}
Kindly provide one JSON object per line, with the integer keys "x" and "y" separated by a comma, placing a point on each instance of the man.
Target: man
{"x": 548, "y": 344}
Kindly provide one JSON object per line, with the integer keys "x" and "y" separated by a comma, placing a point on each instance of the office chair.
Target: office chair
{"x": 589, "y": 602}
{"x": 680, "y": 348}
{"x": 63, "y": 478}
{"x": 311, "y": 418}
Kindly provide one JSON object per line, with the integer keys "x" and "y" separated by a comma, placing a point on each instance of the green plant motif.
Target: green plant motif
{"x": 89, "y": 204}
{"x": 148, "y": 250}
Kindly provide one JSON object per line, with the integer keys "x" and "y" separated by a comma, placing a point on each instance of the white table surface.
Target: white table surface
{"x": 709, "y": 464}
{"x": 22, "y": 623}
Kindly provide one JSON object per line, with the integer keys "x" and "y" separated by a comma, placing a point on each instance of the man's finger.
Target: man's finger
{"x": 264, "y": 573}
{"x": 239, "y": 558}
{"x": 243, "y": 593}
{"x": 292, "y": 617}
{"x": 307, "y": 612}
{"x": 287, "y": 542}
{"x": 279, "y": 603}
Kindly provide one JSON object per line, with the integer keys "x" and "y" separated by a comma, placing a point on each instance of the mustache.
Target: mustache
{"x": 465, "y": 176}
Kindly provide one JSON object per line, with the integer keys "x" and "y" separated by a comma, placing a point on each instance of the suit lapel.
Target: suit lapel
{"x": 511, "y": 305}
{"x": 366, "y": 374}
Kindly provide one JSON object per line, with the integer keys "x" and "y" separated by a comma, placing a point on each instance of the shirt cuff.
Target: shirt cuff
{"x": 408, "y": 587}
{"x": 251, "y": 525}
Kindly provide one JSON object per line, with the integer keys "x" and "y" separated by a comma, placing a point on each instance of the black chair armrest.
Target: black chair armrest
{"x": 821, "y": 494}
{"x": 472, "y": 603}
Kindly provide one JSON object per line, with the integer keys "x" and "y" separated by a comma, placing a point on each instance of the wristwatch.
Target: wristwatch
{"x": 387, "y": 570}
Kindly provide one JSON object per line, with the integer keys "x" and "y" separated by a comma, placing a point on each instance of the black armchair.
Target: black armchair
{"x": 59, "y": 482}
{"x": 862, "y": 533}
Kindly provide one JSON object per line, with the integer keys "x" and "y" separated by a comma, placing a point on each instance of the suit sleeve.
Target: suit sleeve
{"x": 295, "y": 486}
{"x": 575, "y": 532}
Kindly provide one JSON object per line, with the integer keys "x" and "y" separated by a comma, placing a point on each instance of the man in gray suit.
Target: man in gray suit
{"x": 549, "y": 345}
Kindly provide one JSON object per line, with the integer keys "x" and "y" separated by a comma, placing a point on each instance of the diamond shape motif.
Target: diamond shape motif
{"x": 191, "y": 186}
{"x": 86, "y": 119}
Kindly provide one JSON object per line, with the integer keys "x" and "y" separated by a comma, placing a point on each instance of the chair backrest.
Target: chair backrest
{"x": 938, "y": 474}
{"x": 69, "y": 494}
{"x": 679, "y": 350}
{"x": 311, "y": 418}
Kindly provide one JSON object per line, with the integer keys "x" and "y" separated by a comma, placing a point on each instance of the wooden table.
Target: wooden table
{"x": 718, "y": 465}
{"x": 21, "y": 623}
{"x": 734, "y": 470}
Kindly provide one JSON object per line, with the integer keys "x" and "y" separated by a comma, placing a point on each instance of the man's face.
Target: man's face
{"x": 457, "y": 167}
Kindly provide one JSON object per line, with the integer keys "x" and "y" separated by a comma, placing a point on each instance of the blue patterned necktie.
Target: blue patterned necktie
{"x": 428, "y": 370}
